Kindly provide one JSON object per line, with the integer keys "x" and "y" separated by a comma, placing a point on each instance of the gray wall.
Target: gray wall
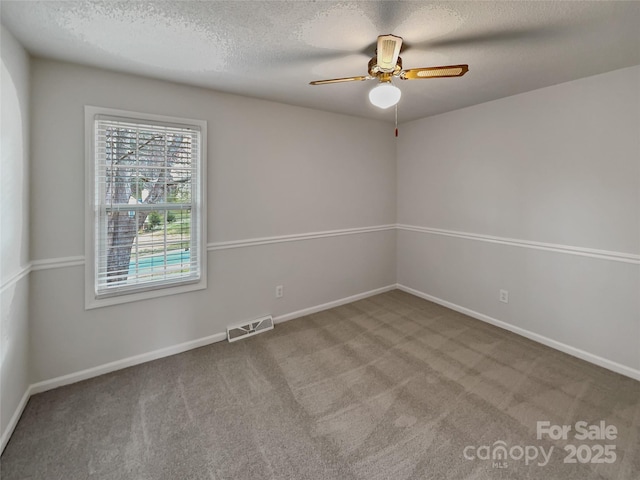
{"x": 14, "y": 229}
{"x": 273, "y": 170}
{"x": 537, "y": 194}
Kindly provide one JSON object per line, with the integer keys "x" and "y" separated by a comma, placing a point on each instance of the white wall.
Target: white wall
{"x": 273, "y": 170}
{"x": 14, "y": 229}
{"x": 480, "y": 189}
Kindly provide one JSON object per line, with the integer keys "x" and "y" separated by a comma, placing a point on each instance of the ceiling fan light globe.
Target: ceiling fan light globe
{"x": 384, "y": 95}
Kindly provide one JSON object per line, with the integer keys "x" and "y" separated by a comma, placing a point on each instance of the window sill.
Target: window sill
{"x": 91, "y": 301}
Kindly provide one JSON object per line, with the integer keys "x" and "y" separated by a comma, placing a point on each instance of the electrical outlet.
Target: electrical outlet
{"x": 279, "y": 291}
{"x": 504, "y": 296}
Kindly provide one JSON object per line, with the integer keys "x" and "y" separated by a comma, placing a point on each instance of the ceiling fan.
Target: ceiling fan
{"x": 386, "y": 65}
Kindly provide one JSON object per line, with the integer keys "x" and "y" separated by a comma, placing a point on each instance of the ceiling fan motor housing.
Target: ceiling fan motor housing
{"x": 376, "y": 71}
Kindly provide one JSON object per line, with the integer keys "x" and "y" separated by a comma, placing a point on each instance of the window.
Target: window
{"x": 145, "y": 219}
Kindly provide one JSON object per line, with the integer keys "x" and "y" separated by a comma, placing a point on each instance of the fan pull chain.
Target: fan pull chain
{"x": 396, "y": 119}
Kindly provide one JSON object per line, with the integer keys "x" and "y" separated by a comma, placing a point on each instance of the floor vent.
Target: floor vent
{"x": 254, "y": 327}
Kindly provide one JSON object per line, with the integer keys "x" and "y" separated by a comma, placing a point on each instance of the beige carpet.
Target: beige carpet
{"x": 391, "y": 387}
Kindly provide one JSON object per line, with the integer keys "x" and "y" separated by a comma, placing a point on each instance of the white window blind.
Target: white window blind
{"x": 147, "y": 205}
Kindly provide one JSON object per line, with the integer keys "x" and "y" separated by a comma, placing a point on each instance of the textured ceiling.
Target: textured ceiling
{"x": 272, "y": 49}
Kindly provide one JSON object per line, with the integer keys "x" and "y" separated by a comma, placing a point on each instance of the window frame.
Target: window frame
{"x": 199, "y": 214}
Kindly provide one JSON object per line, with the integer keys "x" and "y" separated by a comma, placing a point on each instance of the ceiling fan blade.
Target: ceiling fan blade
{"x": 388, "y": 51}
{"x": 434, "y": 72}
{"x": 503, "y": 37}
{"x": 340, "y": 80}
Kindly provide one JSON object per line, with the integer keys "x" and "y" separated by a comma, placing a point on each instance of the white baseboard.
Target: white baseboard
{"x": 576, "y": 352}
{"x": 183, "y": 347}
{"x": 156, "y": 354}
{"x": 336, "y": 303}
{"x": 6, "y": 435}
{"x": 124, "y": 363}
